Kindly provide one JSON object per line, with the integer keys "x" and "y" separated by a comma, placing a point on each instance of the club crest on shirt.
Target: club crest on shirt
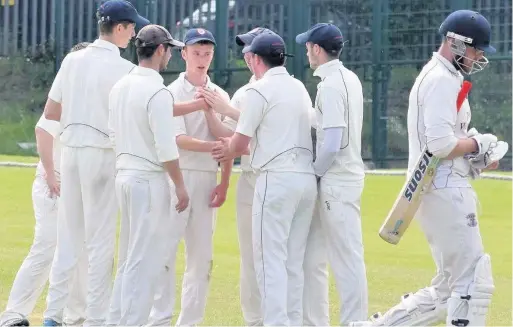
{"x": 471, "y": 220}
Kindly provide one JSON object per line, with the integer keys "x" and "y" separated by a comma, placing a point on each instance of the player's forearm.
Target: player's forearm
{"x": 215, "y": 126}
{"x": 462, "y": 148}
{"x": 183, "y": 108}
{"x": 328, "y": 150}
{"x": 173, "y": 170}
{"x": 188, "y": 143}
{"x": 231, "y": 112}
{"x": 44, "y": 143}
{"x": 52, "y": 110}
{"x": 226, "y": 171}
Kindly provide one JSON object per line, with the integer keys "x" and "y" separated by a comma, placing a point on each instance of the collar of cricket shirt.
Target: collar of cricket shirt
{"x": 327, "y": 68}
{"x": 276, "y": 71}
{"x": 105, "y": 45}
{"x": 188, "y": 87}
{"x": 447, "y": 64}
{"x": 143, "y": 71}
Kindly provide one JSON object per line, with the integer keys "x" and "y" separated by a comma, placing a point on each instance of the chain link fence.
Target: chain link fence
{"x": 388, "y": 43}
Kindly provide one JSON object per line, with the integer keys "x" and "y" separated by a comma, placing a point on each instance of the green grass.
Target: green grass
{"x": 392, "y": 270}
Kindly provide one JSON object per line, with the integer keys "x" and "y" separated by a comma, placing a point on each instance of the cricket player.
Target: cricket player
{"x": 339, "y": 167}
{"x": 142, "y": 130}
{"x": 196, "y": 224}
{"x": 461, "y": 292}
{"x": 275, "y": 120}
{"x": 249, "y": 293}
{"x": 35, "y": 269}
{"x": 79, "y": 100}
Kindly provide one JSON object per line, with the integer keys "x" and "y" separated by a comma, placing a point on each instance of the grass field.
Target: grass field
{"x": 391, "y": 270}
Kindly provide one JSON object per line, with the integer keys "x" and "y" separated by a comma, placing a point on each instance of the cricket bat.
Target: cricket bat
{"x": 408, "y": 200}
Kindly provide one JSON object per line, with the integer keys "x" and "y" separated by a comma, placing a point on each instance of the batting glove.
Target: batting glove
{"x": 472, "y": 132}
{"x": 484, "y": 142}
{"x": 495, "y": 153}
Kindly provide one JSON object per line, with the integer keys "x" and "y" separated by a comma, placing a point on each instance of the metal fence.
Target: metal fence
{"x": 388, "y": 43}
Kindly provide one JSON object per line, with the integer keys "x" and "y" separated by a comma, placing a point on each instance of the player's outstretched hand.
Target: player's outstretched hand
{"x": 221, "y": 151}
{"x": 218, "y": 195}
{"x": 183, "y": 198}
{"x": 214, "y": 100}
{"x": 54, "y": 186}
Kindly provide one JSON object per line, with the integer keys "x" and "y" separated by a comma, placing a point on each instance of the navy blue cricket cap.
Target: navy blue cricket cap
{"x": 195, "y": 35}
{"x": 328, "y": 36}
{"x": 120, "y": 11}
{"x": 267, "y": 45}
{"x": 470, "y": 27}
{"x": 247, "y": 38}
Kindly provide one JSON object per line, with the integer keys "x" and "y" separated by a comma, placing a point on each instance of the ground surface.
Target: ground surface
{"x": 392, "y": 270}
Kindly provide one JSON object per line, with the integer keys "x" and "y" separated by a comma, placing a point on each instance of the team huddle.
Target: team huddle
{"x": 114, "y": 139}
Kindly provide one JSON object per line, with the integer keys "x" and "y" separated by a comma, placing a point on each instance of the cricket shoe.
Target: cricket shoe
{"x": 16, "y": 321}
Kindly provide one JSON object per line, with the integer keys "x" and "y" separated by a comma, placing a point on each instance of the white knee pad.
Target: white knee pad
{"x": 425, "y": 307}
{"x": 470, "y": 309}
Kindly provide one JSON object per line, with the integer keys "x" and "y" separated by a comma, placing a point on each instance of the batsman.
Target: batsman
{"x": 461, "y": 291}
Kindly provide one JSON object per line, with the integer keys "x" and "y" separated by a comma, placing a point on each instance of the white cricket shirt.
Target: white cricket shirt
{"x": 276, "y": 117}
{"x": 53, "y": 128}
{"x": 194, "y": 125}
{"x": 432, "y": 115}
{"x": 141, "y": 121}
{"x": 339, "y": 103}
{"x": 236, "y": 102}
{"x": 82, "y": 87}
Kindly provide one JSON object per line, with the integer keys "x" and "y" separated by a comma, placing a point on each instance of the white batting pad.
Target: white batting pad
{"x": 471, "y": 309}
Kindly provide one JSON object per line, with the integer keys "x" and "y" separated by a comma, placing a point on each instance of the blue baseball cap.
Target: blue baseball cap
{"x": 247, "y": 38}
{"x": 119, "y": 11}
{"x": 195, "y": 35}
{"x": 267, "y": 45}
{"x": 328, "y": 36}
{"x": 470, "y": 27}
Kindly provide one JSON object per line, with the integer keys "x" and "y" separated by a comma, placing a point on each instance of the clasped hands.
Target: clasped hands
{"x": 213, "y": 99}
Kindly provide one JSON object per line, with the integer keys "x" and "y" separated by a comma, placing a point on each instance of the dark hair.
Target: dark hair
{"x": 333, "y": 51}
{"x": 148, "y": 52}
{"x": 106, "y": 27}
{"x": 273, "y": 61}
{"x": 79, "y": 46}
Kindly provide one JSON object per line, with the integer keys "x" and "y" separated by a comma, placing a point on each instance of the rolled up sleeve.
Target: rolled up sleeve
{"x": 254, "y": 105}
{"x": 440, "y": 115}
{"x": 51, "y": 126}
{"x": 160, "y": 117}
{"x": 55, "y": 92}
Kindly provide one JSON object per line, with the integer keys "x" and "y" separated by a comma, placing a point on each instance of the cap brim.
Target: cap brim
{"x": 244, "y": 39}
{"x": 177, "y": 43}
{"x": 140, "y": 22}
{"x": 488, "y": 49}
{"x": 246, "y": 49}
{"x": 302, "y": 38}
{"x": 199, "y": 39}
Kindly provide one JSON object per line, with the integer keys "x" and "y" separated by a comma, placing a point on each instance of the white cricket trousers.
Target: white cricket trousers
{"x": 35, "y": 269}
{"x": 448, "y": 218}
{"x": 283, "y": 206}
{"x": 196, "y": 225}
{"x": 88, "y": 203}
{"x": 338, "y": 207}
{"x": 250, "y": 298}
{"x": 144, "y": 201}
